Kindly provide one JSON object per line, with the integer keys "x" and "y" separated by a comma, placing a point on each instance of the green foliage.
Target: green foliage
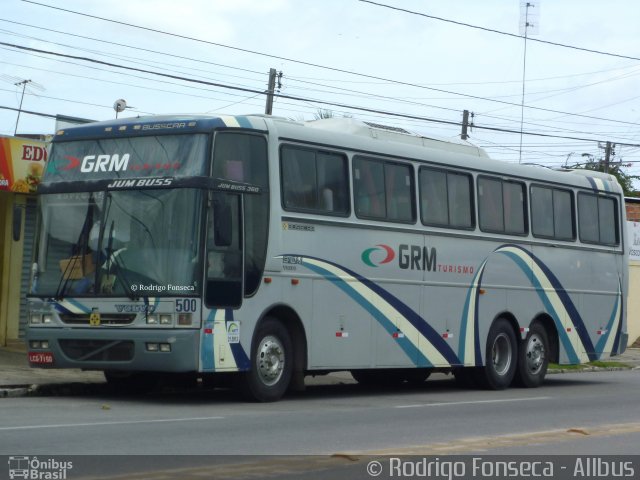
{"x": 616, "y": 169}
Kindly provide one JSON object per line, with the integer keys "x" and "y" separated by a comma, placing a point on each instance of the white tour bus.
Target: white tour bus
{"x": 261, "y": 250}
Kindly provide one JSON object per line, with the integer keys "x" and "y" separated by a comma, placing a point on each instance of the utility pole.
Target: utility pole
{"x": 270, "y": 91}
{"x": 24, "y": 85}
{"x": 607, "y": 156}
{"x": 465, "y": 124}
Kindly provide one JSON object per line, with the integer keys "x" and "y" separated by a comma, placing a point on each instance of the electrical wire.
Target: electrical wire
{"x": 335, "y": 69}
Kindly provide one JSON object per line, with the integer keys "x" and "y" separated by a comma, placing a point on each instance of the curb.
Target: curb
{"x": 590, "y": 369}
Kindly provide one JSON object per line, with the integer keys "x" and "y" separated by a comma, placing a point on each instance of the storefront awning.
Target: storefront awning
{"x": 22, "y": 162}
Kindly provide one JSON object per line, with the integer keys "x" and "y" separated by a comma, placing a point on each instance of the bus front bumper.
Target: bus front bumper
{"x": 114, "y": 349}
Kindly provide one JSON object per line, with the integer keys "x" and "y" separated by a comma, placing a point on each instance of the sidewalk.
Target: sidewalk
{"x": 16, "y": 377}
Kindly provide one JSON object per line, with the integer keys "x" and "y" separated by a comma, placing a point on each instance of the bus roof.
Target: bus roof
{"x": 345, "y": 133}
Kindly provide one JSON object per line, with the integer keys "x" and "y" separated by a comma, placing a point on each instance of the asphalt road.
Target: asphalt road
{"x": 583, "y": 413}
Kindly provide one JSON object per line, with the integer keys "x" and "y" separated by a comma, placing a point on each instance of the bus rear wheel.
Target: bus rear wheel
{"x": 501, "y": 357}
{"x": 271, "y": 363}
{"x": 533, "y": 358}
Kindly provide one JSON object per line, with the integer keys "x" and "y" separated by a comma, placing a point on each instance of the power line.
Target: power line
{"x": 315, "y": 65}
{"x": 463, "y": 24}
{"x": 29, "y": 112}
{"x": 128, "y": 46}
{"x": 291, "y": 97}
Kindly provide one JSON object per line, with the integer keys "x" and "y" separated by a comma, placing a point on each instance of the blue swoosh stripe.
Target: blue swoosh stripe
{"x": 407, "y": 346}
{"x": 416, "y": 320}
{"x": 206, "y": 347}
{"x": 476, "y": 322}
{"x": 240, "y": 356}
{"x": 243, "y": 122}
{"x": 564, "y": 338}
{"x": 566, "y": 302}
{"x": 593, "y": 183}
{"x": 603, "y": 340}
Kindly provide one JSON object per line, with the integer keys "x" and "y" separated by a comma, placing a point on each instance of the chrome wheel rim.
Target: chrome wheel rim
{"x": 270, "y": 360}
{"x": 535, "y": 354}
{"x": 501, "y": 354}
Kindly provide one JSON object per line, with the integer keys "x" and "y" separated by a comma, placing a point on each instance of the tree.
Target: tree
{"x": 323, "y": 113}
{"x": 614, "y": 168}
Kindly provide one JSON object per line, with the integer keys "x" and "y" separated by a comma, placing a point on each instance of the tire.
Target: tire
{"x": 533, "y": 358}
{"x": 500, "y": 357}
{"x": 271, "y": 363}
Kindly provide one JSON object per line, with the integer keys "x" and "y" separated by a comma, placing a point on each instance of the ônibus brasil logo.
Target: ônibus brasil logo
{"x": 108, "y": 163}
{"x": 371, "y": 256}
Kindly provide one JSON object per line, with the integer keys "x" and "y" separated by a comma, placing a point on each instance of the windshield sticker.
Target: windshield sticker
{"x": 233, "y": 332}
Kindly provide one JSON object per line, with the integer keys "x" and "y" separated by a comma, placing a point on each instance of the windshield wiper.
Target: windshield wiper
{"x": 78, "y": 252}
{"x": 113, "y": 257}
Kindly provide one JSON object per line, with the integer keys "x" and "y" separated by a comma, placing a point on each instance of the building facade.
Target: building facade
{"x": 22, "y": 161}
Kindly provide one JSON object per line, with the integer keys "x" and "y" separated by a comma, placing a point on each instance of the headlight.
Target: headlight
{"x": 166, "y": 319}
{"x": 36, "y": 318}
{"x": 152, "y": 319}
{"x": 184, "y": 319}
{"x": 47, "y": 318}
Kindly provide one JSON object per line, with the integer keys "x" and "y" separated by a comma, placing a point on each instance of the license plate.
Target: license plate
{"x": 41, "y": 358}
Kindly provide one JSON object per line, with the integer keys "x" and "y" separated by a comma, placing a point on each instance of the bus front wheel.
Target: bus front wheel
{"x": 271, "y": 363}
{"x": 501, "y": 356}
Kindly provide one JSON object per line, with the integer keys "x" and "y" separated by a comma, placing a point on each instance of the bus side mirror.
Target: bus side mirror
{"x": 17, "y": 222}
{"x": 222, "y": 224}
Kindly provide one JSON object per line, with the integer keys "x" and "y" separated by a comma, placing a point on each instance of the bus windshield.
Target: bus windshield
{"x": 123, "y": 243}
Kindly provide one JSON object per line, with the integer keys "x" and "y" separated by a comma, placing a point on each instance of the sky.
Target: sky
{"x": 413, "y": 64}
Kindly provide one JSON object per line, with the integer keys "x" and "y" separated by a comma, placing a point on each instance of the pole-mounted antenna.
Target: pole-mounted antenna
{"x": 529, "y": 25}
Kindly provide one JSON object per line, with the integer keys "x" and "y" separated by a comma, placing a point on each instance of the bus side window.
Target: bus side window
{"x": 314, "y": 181}
{"x": 369, "y": 188}
{"x": 399, "y": 192}
{"x": 597, "y": 216}
{"x": 490, "y": 204}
